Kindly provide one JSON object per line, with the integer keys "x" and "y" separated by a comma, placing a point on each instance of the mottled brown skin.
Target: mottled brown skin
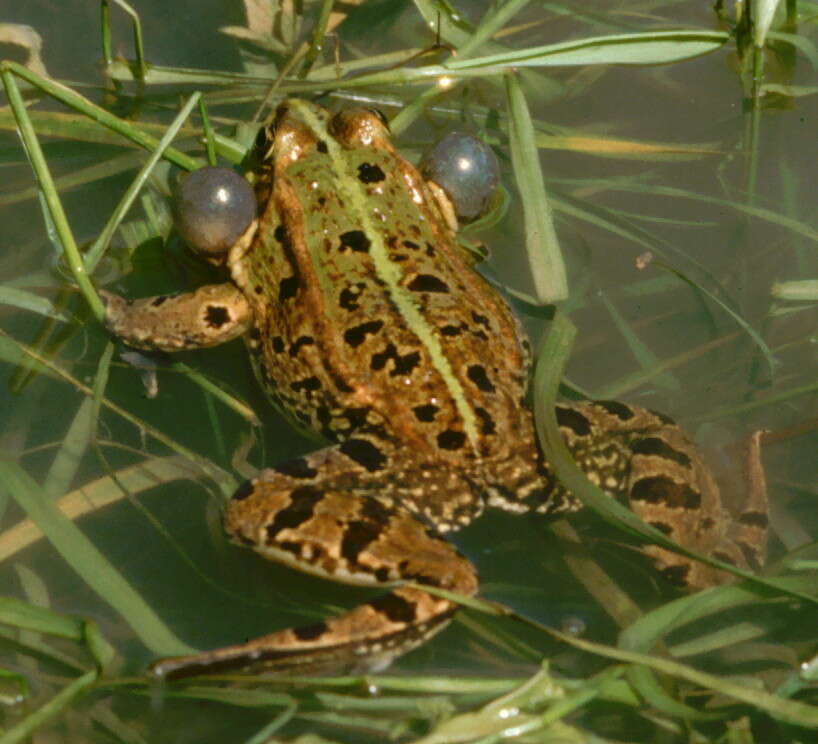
{"x": 366, "y": 323}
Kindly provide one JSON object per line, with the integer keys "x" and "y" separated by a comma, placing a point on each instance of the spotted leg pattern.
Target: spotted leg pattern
{"x": 344, "y": 530}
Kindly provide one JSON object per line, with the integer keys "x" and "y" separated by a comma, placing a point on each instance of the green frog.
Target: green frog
{"x": 366, "y": 321}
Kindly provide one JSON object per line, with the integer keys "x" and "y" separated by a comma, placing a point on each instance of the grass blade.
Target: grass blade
{"x": 542, "y": 246}
{"x": 94, "y": 568}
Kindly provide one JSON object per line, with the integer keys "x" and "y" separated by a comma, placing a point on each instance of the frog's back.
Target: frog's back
{"x": 367, "y": 316}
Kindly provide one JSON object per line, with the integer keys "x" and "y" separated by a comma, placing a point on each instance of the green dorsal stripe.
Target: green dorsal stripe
{"x": 389, "y": 272}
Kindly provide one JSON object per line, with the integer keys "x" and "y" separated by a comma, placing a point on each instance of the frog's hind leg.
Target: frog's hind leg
{"x": 353, "y": 534}
{"x": 670, "y": 486}
{"x": 647, "y": 462}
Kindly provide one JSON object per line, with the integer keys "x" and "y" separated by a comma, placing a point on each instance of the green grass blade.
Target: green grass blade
{"x": 542, "y": 246}
{"x": 494, "y": 19}
{"x": 26, "y": 616}
{"x": 79, "y": 103}
{"x": 89, "y": 562}
{"x": 70, "y": 453}
{"x": 52, "y": 199}
{"x": 141, "y": 65}
{"x": 31, "y": 302}
{"x": 764, "y": 12}
{"x": 652, "y": 48}
{"x": 100, "y": 245}
{"x": 98, "y": 493}
{"x": 23, "y": 730}
{"x": 799, "y": 714}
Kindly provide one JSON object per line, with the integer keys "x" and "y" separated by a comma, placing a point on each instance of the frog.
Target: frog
{"x": 367, "y": 322}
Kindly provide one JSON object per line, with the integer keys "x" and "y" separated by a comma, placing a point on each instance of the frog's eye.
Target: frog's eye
{"x": 466, "y": 169}
{"x": 213, "y": 207}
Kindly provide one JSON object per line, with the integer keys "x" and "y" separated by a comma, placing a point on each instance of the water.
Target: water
{"x": 724, "y": 227}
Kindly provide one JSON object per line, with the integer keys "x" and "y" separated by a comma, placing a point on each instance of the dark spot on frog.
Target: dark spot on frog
{"x": 426, "y": 413}
{"x": 754, "y": 519}
{"x": 258, "y": 289}
{"x": 216, "y": 316}
{"x": 660, "y": 448}
{"x": 370, "y": 173}
{"x": 428, "y": 283}
{"x": 410, "y": 245}
{"x": 291, "y": 546}
{"x": 481, "y": 319}
{"x": 297, "y": 468}
{"x": 308, "y": 384}
{"x": 395, "y": 608}
{"x": 573, "y": 420}
{"x": 430, "y": 250}
{"x": 356, "y": 417}
{"x": 316, "y": 630}
{"x": 751, "y": 555}
{"x": 354, "y": 240}
{"x": 676, "y": 575}
{"x": 663, "y": 527}
{"x": 282, "y": 236}
{"x": 615, "y": 408}
{"x": 288, "y": 288}
{"x": 243, "y": 491}
{"x": 489, "y": 426}
{"x": 255, "y": 334}
{"x": 278, "y": 344}
{"x": 321, "y": 146}
{"x": 382, "y": 574}
{"x": 348, "y": 299}
{"x": 450, "y": 439}
{"x": 299, "y": 343}
{"x": 159, "y": 301}
{"x": 399, "y": 257}
{"x": 477, "y": 374}
{"x": 451, "y": 330}
{"x": 357, "y": 536}
{"x": 337, "y": 379}
{"x": 660, "y": 489}
{"x": 402, "y": 365}
{"x": 364, "y": 453}
{"x": 375, "y": 511}
{"x": 356, "y": 335}
{"x": 300, "y": 509}
{"x": 707, "y": 523}
{"x": 720, "y": 556}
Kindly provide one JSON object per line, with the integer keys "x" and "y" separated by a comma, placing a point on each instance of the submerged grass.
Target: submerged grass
{"x": 727, "y": 662}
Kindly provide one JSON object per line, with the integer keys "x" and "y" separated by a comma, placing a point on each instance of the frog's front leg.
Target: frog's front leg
{"x": 348, "y": 529}
{"x": 211, "y": 315}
